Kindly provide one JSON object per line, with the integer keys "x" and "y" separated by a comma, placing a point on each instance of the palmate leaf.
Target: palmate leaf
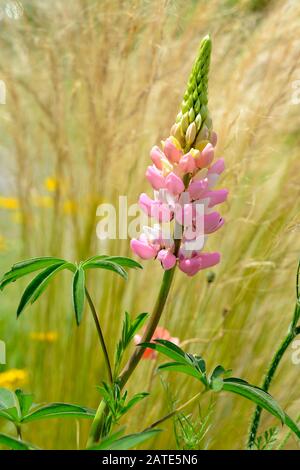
{"x": 78, "y": 294}
{"x": 59, "y": 410}
{"x": 126, "y": 442}
{"x": 51, "y": 266}
{"x": 39, "y": 284}
{"x": 23, "y": 268}
{"x": 108, "y": 265}
{"x": 15, "y": 444}
{"x": 120, "y": 260}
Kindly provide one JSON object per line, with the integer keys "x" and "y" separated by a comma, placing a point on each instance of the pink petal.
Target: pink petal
{"x": 206, "y": 156}
{"x": 145, "y": 203}
{"x": 187, "y": 163}
{"x": 212, "y": 222}
{"x": 172, "y": 150}
{"x": 191, "y": 266}
{"x": 142, "y": 249}
{"x": 157, "y": 209}
{"x": 209, "y": 259}
{"x": 216, "y": 197}
{"x": 218, "y": 167}
{"x": 156, "y": 155}
{"x": 155, "y": 177}
{"x": 167, "y": 259}
{"x": 197, "y": 189}
{"x": 174, "y": 184}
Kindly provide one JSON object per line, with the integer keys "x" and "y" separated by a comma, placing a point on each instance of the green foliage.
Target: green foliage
{"x": 117, "y": 402}
{"x": 125, "y": 442}
{"x": 51, "y": 266}
{"x": 129, "y": 329}
{"x": 267, "y": 440}
{"x": 15, "y": 444}
{"x": 190, "y": 433}
{"x": 218, "y": 381}
{"x": 18, "y": 408}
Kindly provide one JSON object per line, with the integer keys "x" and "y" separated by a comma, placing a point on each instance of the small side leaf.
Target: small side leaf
{"x": 127, "y": 442}
{"x": 34, "y": 285}
{"x": 79, "y": 294}
{"x": 184, "y": 368}
{"x": 59, "y": 410}
{"x": 167, "y": 348}
{"x": 15, "y": 444}
{"x": 109, "y": 265}
{"x": 25, "y": 401}
{"x": 26, "y": 267}
{"x": 256, "y": 395}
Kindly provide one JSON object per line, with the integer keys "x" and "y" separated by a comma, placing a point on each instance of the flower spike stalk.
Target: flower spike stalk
{"x": 183, "y": 175}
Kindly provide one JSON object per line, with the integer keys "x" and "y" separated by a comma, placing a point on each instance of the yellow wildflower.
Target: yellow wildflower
{"x": 11, "y": 203}
{"x": 47, "y": 337}
{"x": 70, "y": 207}
{"x": 51, "y": 184}
{"x": 13, "y": 378}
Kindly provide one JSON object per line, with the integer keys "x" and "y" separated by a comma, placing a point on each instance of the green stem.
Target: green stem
{"x": 174, "y": 412}
{"x": 19, "y": 431}
{"x": 100, "y": 334}
{"x": 95, "y": 431}
{"x": 293, "y": 332}
{"x": 152, "y": 324}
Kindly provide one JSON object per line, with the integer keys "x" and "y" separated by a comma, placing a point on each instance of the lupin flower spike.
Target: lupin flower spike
{"x": 183, "y": 175}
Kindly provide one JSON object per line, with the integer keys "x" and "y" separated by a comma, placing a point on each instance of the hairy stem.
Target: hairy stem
{"x": 293, "y": 332}
{"x": 100, "y": 335}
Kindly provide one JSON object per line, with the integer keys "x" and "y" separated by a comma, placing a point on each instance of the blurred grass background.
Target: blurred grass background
{"x": 91, "y": 86}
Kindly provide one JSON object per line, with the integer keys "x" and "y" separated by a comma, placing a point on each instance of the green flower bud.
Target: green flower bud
{"x": 191, "y": 134}
{"x": 194, "y": 104}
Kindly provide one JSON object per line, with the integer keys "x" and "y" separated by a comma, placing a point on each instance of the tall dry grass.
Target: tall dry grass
{"x": 91, "y": 86}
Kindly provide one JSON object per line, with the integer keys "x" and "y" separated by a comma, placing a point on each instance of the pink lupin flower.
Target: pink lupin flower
{"x": 167, "y": 259}
{"x": 183, "y": 190}
{"x": 198, "y": 188}
{"x": 143, "y": 248}
{"x": 206, "y": 156}
{"x": 174, "y": 184}
{"x": 172, "y": 149}
{"x": 216, "y": 197}
{"x": 156, "y": 156}
{"x": 193, "y": 265}
{"x": 157, "y": 208}
{"x": 187, "y": 163}
{"x": 155, "y": 177}
{"x": 212, "y": 222}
